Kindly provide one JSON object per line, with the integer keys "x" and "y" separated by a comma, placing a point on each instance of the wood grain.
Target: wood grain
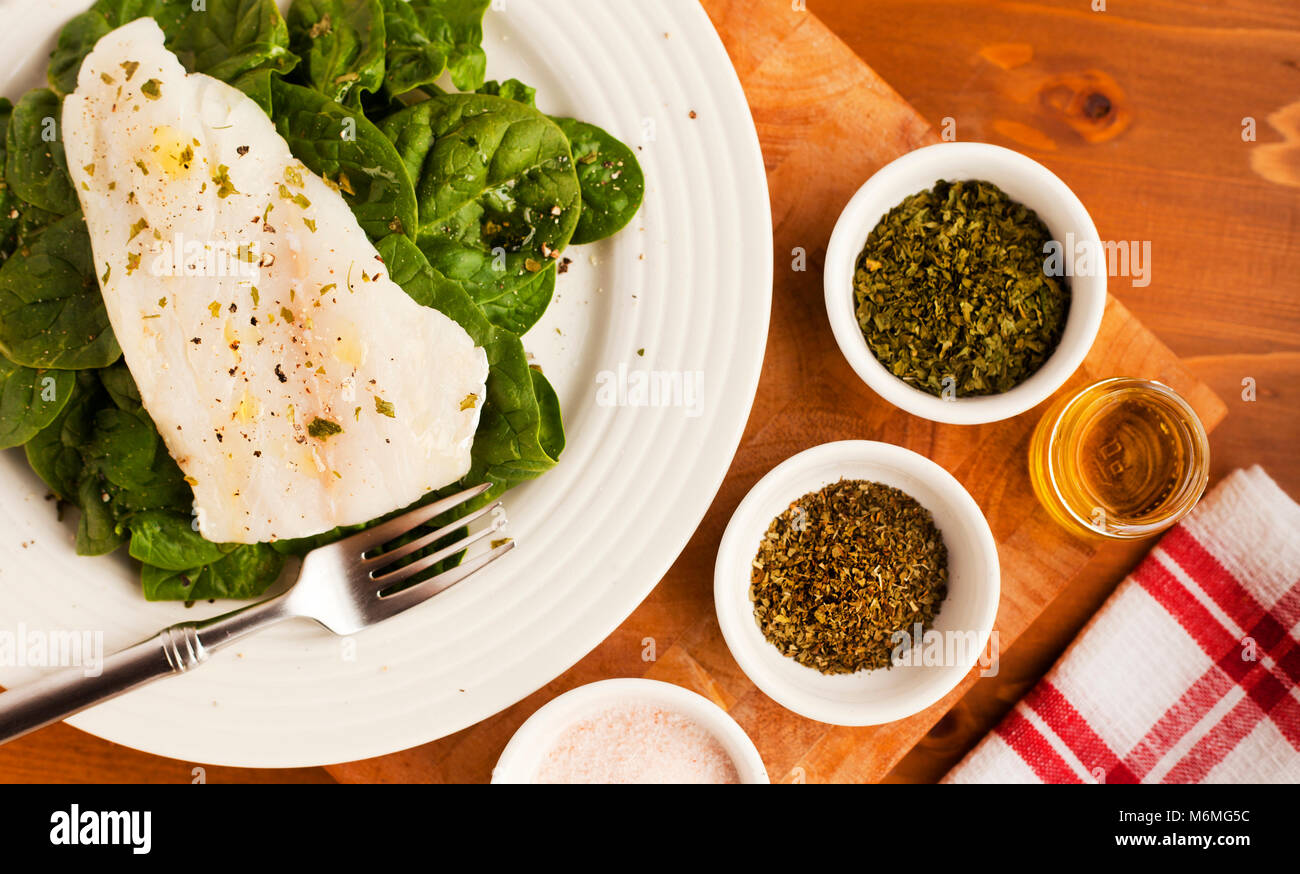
{"x": 61, "y": 753}
{"x": 1220, "y": 212}
{"x": 1218, "y": 207}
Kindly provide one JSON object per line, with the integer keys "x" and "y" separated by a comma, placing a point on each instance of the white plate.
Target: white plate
{"x": 689, "y": 282}
{"x": 964, "y": 621}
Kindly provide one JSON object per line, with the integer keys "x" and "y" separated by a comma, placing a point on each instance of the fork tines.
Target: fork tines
{"x": 366, "y": 547}
{"x": 396, "y": 602}
{"x": 373, "y": 538}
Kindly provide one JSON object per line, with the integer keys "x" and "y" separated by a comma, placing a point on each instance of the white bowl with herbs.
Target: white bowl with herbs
{"x": 963, "y": 283}
{"x": 857, "y": 583}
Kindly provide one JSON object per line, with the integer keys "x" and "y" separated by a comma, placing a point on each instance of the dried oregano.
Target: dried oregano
{"x": 951, "y": 291}
{"x": 842, "y": 570}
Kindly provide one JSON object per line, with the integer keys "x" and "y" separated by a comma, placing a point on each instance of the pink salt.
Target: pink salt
{"x": 637, "y": 743}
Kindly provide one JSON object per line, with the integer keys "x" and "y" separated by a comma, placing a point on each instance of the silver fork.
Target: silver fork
{"x": 340, "y": 586}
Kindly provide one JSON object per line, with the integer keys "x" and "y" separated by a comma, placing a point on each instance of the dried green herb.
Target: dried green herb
{"x": 222, "y": 178}
{"x": 951, "y": 291}
{"x": 323, "y": 429}
{"x": 842, "y": 570}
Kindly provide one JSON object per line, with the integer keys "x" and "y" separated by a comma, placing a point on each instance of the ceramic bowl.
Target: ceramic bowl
{"x": 964, "y": 621}
{"x": 1023, "y": 179}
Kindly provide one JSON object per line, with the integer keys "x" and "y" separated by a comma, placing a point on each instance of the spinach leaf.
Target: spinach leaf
{"x": 51, "y": 311}
{"x": 341, "y": 43}
{"x": 232, "y": 38}
{"x": 101, "y": 437}
{"x": 9, "y": 201}
{"x": 519, "y": 309}
{"x": 165, "y": 585}
{"x": 55, "y": 452}
{"x": 30, "y": 400}
{"x": 121, "y": 387}
{"x": 162, "y": 488}
{"x": 551, "y": 429}
{"x": 498, "y": 195}
{"x": 169, "y": 541}
{"x": 411, "y": 58}
{"x": 257, "y": 85}
{"x": 97, "y": 531}
{"x": 611, "y": 179}
{"x": 609, "y": 174}
{"x": 246, "y": 572}
{"x": 337, "y": 142}
{"x": 123, "y": 448}
{"x": 508, "y": 446}
{"x": 19, "y": 220}
{"x": 160, "y": 485}
{"x": 458, "y": 23}
{"x": 35, "y": 166}
{"x": 510, "y": 89}
{"x": 106, "y": 460}
{"x": 80, "y": 34}
{"x": 426, "y": 37}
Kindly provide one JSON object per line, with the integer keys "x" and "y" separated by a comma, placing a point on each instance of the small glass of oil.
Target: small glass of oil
{"x": 1122, "y": 459}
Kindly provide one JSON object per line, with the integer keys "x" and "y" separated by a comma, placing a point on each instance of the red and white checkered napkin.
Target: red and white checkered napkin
{"x": 1187, "y": 674}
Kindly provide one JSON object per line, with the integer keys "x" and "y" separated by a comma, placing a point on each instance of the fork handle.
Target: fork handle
{"x": 174, "y": 650}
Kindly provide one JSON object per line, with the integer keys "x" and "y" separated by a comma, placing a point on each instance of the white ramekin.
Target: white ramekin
{"x": 866, "y": 697}
{"x": 1023, "y": 179}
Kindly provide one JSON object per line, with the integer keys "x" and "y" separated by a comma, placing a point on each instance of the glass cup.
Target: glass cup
{"x": 1121, "y": 459}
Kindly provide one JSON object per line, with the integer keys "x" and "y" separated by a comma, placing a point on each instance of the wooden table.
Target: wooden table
{"x": 1172, "y": 167}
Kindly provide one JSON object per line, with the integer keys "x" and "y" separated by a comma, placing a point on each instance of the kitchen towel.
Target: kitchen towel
{"x": 1187, "y": 674}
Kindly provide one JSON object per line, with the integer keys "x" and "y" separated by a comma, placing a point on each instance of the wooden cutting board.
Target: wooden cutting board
{"x": 826, "y": 122}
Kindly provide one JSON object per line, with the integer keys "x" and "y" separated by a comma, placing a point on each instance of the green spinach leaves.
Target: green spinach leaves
{"x": 51, "y": 312}
{"x": 428, "y": 37}
{"x": 610, "y": 177}
{"x": 230, "y": 40}
{"x": 233, "y": 40}
{"x": 169, "y": 541}
{"x": 498, "y": 195}
{"x": 29, "y": 400}
{"x": 341, "y": 43}
{"x": 343, "y": 146}
{"x": 35, "y": 166}
{"x": 244, "y": 572}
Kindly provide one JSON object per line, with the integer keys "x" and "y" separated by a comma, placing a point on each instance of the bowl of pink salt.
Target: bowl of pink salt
{"x": 630, "y": 731}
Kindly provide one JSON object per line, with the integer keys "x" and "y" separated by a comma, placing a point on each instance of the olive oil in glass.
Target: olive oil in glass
{"x": 1123, "y": 459}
